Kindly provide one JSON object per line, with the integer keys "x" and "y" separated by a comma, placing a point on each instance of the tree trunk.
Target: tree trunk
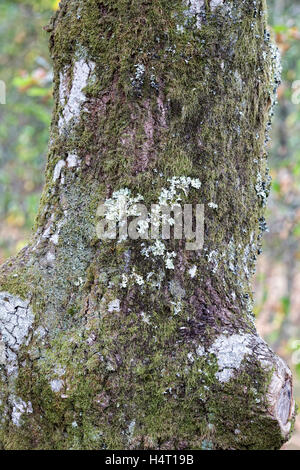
{"x": 118, "y": 345}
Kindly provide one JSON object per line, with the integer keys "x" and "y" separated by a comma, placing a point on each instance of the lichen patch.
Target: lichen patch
{"x": 230, "y": 352}
{"x": 57, "y": 170}
{"x": 20, "y": 407}
{"x": 16, "y": 319}
{"x": 73, "y": 101}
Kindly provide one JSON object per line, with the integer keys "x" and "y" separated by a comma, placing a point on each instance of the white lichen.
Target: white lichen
{"x": 157, "y": 249}
{"x": 72, "y": 102}
{"x": 16, "y": 319}
{"x": 213, "y": 259}
{"x": 145, "y": 318}
{"x": 132, "y": 277}
{"x": 125, "y": 280}
{"x": 169, "y": 263}
{"x": 190, "y": 357}
{"x": 56, "y": 385}
{"x": 261, "y": 190}
{"x": 138, "y": 80}
{"x": 50, "y": 258}
{"x": 55, "y": 238}
{"x": 171, "y": 196}
{"x": 230, "y": 352}
{"x": 131, "y": 428}
{"x": 231, "y": 256}
{"x": 215, "y": 3}
{"x": 193, "y": 271}
{"x": 121, "y": 206}
{"x": 176, "y": 307}
{"x": 58, "y": 169}
{"x": 195, "y": 8}
{"x": 238, "y": 79}
{"x": 114, "y": 306}
{"x": 200, "y": 351}
{"x": 138, "y": 279}
{"x": 19, "y": 407}
{"x": 72, "y": 160}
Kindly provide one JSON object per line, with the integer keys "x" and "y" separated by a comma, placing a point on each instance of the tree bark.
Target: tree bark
{"x": 101, "y": 346}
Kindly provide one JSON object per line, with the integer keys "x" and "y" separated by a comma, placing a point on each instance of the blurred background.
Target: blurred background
{"x": 24, "y": 124}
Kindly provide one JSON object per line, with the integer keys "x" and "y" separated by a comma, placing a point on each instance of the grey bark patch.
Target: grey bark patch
{"x": 195, "y": 8}
{"x": 16, "y": 319}
{"x": 230, "y": 352}
{"x": 76, "y": 98}
{"x": 56, "y": 385}
{"x": 19, "y": 408}
{"x": 215, "y": 3}
{"x": 57, "y": 170}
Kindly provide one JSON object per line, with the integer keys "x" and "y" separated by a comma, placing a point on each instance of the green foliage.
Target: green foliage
{"x": 24, "y": 120}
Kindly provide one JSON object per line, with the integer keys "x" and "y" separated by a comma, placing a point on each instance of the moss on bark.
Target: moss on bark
{"x": 146, "y": 91}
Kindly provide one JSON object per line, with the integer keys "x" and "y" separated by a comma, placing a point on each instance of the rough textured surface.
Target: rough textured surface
{"x": 16, "y": 319}
{"x": 142, "y": 345}
{"x": 71, "y": 101}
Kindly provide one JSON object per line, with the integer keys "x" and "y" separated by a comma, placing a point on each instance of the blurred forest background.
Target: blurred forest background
{"x": 25, "y": 67}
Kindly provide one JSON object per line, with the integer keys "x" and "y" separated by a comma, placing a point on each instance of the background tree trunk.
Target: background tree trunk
{"x": 102, "y": 347}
